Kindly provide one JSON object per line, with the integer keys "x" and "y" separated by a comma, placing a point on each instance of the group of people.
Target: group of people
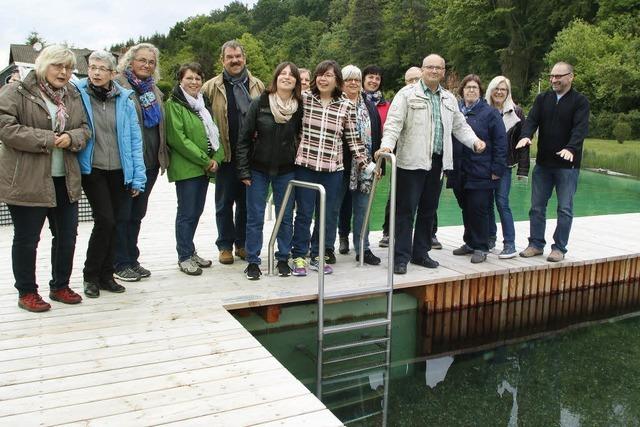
{"x": 111, "y": 135}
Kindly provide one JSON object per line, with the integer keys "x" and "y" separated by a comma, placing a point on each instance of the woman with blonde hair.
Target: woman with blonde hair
{"x": 42, "y": 128}
{"x": 498, "y": 95}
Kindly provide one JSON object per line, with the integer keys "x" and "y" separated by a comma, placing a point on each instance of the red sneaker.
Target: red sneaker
{"x": 65, "y": 295}
{"x": 33, "y": 302}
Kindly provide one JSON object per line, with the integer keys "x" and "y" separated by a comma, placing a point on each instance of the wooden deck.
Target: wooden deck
{"x": 168, "y": 352}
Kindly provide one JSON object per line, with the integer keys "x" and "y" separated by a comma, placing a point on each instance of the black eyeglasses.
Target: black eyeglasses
{"x": 558, "y": 76}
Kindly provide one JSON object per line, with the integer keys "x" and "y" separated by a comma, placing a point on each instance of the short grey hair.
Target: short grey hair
{"x": 54, "y": 54}
{"x": 232, "y": 44}
{"x": 351, "y": 72}
{"x": 127, "y": 58}
{"x": 104, "y": 56}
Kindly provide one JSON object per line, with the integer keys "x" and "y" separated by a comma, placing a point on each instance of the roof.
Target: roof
{"x": 27, "y": 54}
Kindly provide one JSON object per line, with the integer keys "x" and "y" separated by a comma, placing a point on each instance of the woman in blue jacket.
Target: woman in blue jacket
{"x": 476, "y": 175}
{"x": 112, "y": 166}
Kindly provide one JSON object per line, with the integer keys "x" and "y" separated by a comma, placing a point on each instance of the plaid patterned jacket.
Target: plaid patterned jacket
{"x": 325, "y": 130}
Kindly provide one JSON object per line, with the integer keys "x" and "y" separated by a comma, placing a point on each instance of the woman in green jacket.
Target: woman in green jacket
{"x": 195, "y": 154}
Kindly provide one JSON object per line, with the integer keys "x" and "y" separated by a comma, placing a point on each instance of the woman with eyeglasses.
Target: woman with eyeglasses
{"x": 328, "y": 125}
{"x": 139, "y": 71}
{"x": 196, "y": 152}
{"x": 476, "y": 175}
{"x": 42, "y": 128}
{"x": 499, "y": 96}
{"x": 111, "y": 165}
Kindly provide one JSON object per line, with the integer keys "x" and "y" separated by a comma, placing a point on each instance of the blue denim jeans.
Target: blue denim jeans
{"x": 191, "y": 194}
{"x": 543, "y": 180}
{"x": 27, "y": 225}
{"x": 306, "y": 201}
{"x": 132, "y": 211}
{"x": 501, "y": 196}
{"x": 256, "y": 202}
{"x": 230, "y": 191}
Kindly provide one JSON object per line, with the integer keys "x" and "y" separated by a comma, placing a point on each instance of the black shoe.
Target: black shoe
{"x": 111, "y": 286}
{"x": 478, "y": 257}
{"x": 369, "y": 258}
{"x": 463, "y": 250}
{"x": 329, "y": 256}
{"x": 91, "y": 289}
{"x": 435, "y": 244}
{"x": 492, "y": 242}
{"x": 344, "y": 245}
{"x": 143, "y": 272}
{"x": 253, "y": 271}
{"x": 400, "y": 268}
{"x": 426, "y": 261}
{"x": 284, "y": 270}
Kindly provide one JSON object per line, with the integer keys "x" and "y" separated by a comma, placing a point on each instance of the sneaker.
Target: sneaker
{"x": 435, "y": 244}
{"x": 314, "y": 264}
{"x": 65, "y": 295}
{"x": 492, "y": 242}
{"x": 384, "y": 242}
{"x": 556, "y": 255}
{"x": 299, "y": 267}
{"x": 344, "y": 245}
{"x": 330, "y": 256}
{"x": 128, "y": 275}
{"x": 369, "y": 258}
{"x": 253, "y": 271}
{"x": 143, "y": 272}
{"x": 201, "y": 262}
{"x": 241, "y": 253}
{"x": 112, "y": 286}
{"x": 478, "y": 257}
{"x": 189, "y": 266}
{"x": 283, "y": 268}
{"x": 463, "y": 250}
{"x": 33, "y": 302}
{"x": 226, "y": 256}
{"x": 508, "y": 252}
{"x": 531, "y": 251}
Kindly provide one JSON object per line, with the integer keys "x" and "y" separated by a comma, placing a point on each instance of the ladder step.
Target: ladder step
{"x": 372, "y": 341}
{"x": 362, "y": 418}
{"x": 352, "y": 372}
{"x": 353, "y": 357}
{"x": 356, "y": 293}
{"x": 356, "y": 325}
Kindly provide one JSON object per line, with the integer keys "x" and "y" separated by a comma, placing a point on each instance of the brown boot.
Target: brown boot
{"x": 226, "y": 256}
{"x": 241, "y": 253}
{"x": 530, "y": 251}
{"x": 555, "y": 256}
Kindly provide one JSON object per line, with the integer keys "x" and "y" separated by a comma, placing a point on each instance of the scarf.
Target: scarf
{"x": 376, "y": 97}
{"x": 57, "y": 97}
{"x": 281, "y": 109}
{"x": 103, "y": 93}
{"x": 197, "y": 104}
{"x": 358, "y": 181}
{"x": 151, "y": 111}
{"x": 240, "y": 92}
{"x": 466, "y": 110}
{"x": 509, "y": 116}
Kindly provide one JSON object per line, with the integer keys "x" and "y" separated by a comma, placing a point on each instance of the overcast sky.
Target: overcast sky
{"x": 94, "y": 25}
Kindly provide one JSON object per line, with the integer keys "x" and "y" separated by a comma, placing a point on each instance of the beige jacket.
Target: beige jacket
{"x": 28, "y": 141}
{"x": 163, "y": 150}
{"x": 409, "y": 128}
{"x": 214, "y": 89}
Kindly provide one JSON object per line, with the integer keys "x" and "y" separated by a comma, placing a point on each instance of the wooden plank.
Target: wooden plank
{"x": 323, "y": 418}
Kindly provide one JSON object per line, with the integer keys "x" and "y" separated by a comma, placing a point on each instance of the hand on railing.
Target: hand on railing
{"x": 380, "y": 151}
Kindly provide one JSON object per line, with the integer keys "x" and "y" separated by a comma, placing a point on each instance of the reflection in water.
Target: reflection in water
{"x": 505, "y": 386}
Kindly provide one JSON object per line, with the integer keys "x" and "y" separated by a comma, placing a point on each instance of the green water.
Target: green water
{"x": 597, "y": 194}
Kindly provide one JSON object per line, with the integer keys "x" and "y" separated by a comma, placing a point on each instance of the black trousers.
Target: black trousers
{"x": 417, "y": 191}
{"x": 27, "y": 226}
{"x": 475, "y": 205}
{"x": 385, "y": 224}
{"x": 106, "y": 193}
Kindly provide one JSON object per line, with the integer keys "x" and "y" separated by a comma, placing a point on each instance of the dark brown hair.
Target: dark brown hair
{"x": 468, "y": 78}
{"x": 190, "y": 66}
{"x": 321, "y": 69}
{"x": 273, "y": 86}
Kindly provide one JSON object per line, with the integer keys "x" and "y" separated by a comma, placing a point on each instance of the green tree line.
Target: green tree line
{"x": 520, "y": 39}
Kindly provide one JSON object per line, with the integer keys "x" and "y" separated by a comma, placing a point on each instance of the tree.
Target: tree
{"x": 622, "y": 131}
{"x": 34, "y": 37}
{"x": 365, "y": 32}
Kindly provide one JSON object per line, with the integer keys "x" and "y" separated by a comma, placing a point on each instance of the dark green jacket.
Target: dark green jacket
{"x": 187, "y": 139}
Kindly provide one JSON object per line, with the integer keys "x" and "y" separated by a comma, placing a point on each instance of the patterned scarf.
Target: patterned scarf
{"x": 240, "y": 92}
{"x": 213, "y": 135}
{"x": 376, "y": 97}
{"x": 57, "y": 97}
{"x": 358, "y": 180}
{"x": 104, "y": 93}
{"x": 151, "y": 111}
{"x": 282, "y": 109}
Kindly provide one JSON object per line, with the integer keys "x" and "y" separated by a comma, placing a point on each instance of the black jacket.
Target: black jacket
{"x": 265, "y": 145}
{"x": 473, "y": 170}
{"x": 562, "y": 124}
{"x": 518, "y": 157}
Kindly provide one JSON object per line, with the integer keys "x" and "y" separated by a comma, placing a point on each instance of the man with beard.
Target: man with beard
{"x": 230, "y": 94}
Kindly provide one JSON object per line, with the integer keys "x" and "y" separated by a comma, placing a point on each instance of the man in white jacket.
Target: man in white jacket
{"x": 421, "y": 120}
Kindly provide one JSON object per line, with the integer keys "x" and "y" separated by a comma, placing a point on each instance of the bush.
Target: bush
{"x": 622, "y": 131}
